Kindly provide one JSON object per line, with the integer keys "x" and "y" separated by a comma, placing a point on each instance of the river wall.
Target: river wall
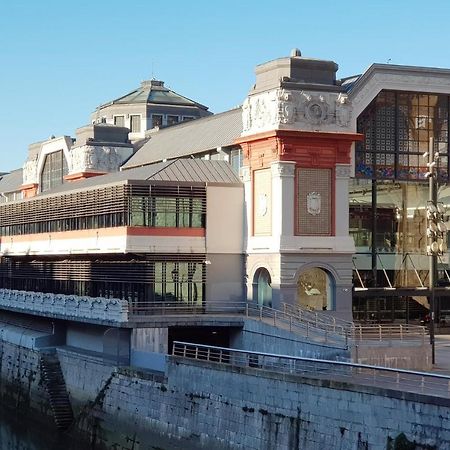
{"x": 210, "y": 406}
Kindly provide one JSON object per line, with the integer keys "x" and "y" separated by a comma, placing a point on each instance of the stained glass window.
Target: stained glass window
{"x": 398, "y": 128}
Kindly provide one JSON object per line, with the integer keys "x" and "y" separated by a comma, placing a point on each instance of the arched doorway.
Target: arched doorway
{"x": 262, "y": 287}
{"x": 315, "y": 290}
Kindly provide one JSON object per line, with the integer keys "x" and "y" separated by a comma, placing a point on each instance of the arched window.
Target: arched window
{"x": 53, "y": 171}
{"x": 262, "y": 285}
{"x": 316, "y": 290}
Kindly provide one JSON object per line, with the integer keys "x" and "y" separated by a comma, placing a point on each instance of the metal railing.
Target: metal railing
{"x": 319, "y": 319}
{"x": 314, "y": 325}
{"x": 265, "y": 314}
{"x": 389, "y": 332}
{"x": 359, "y": 374}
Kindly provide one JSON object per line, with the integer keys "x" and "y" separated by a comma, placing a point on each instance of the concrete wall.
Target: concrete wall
{"x": 225, "y": 278}
{"x": 224, "y": 219}
{"x": 261, "y": 337}
{"x": 150, "y": 339}
{"x": 400, "y": 355}
{"x": 85, "y": 337}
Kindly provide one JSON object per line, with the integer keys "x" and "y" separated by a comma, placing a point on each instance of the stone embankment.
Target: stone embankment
{"x": 198, "y": 404}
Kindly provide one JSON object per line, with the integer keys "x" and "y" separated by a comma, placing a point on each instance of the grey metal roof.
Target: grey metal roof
{"x": 349, "y": 82}
{"x": 181, "y": 170}
{"x": 11, "y": 182}
{"x": 184, "y": 139}
{"x": 196, "y": 170}
{"x": 429, "y": 72}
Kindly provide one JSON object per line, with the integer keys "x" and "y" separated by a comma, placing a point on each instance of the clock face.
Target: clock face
{"x": 262, "y": 204}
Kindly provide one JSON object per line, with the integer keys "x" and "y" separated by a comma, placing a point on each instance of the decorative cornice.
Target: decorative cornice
{"x": 296, "y": 110}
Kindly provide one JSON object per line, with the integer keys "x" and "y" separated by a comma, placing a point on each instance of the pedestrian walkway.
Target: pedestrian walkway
{"x": 442, "y": 348}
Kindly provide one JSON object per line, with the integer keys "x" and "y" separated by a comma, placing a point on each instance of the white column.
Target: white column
{"x": 283, "y": 198}
{"x": 248, "y": 202}
{"x": 341, "y": 199}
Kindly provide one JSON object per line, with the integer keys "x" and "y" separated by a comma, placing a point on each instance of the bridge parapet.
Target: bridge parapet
{"x": 62, "y": 306}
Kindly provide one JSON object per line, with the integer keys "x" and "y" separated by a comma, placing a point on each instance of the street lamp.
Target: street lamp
{"x": 436, "y": 231}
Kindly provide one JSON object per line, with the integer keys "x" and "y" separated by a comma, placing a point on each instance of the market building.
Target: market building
{"x": 311, "y": 194}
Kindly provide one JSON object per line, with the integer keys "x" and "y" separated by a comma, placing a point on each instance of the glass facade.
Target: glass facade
{"x": 388, "y": 201}
{"x": 126, "y": 205}
{"x": 398, "y": 128}
{"x": 163, "y": 278}
{"x": 54, "y": 169}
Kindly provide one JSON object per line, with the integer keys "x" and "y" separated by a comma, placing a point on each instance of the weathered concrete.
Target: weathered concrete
{"x": 261, "y": 337}
{"x": 411, "y": 355}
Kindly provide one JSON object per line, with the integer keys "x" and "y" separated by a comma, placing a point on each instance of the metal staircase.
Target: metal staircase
{"x": 55, "y": 386}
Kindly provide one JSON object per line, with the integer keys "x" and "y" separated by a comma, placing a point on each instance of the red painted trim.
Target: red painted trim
{"x": 107, "y": 232}
{"x": 82, "y": 175}
{"x": 332, "y": 135}
{"x": 165, "y": 231}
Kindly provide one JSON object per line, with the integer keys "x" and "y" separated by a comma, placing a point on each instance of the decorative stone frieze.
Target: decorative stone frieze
{"x": 65, "y": 306}
{"x": 98, "y": 158}
{"x": 296, "y": 110}
{"x": 30, "y": 174}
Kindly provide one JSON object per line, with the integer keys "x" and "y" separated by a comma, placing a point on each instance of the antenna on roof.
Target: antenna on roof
{"x": 153, "y": 70}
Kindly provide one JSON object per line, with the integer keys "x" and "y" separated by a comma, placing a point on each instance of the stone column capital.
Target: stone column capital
{"x": 283, "y": 169}
{"x": 244, "y": 173}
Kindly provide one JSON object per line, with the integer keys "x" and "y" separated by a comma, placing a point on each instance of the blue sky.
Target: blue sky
{"x": 61, "y": 59}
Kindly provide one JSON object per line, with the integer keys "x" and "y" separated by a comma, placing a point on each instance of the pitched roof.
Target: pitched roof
{"x": 11, "y": 182}
{"x": 184, "y": 139}
{"x": 179, "y": 170}
{"x": 153, "y": 91}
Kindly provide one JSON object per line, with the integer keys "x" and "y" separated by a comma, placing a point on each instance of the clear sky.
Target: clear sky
{"x": 61, "y": 58}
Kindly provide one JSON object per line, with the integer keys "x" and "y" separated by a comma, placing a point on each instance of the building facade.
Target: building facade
{"x": 329, "y": 212}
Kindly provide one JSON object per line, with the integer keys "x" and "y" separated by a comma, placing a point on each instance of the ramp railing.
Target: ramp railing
{"x": 360, "y": 374}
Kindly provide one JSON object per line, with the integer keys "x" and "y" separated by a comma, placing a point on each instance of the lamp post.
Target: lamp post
{"x": 436, "y": 232}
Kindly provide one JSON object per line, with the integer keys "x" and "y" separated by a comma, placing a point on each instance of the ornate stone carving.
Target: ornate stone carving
{"x": 262, "y": 205}
{"x": 316, "y": 109}
{"x": 343, "y": 110}
{"x": 296, "y": 110}
{"x": 313, "y": 203}
{"x": 342, "y": 171}
{"x": 283, "y": 169}
{"x": 100, "y": 158}
{"x": 286, "y": 107}
{"x": 30, "y": 175}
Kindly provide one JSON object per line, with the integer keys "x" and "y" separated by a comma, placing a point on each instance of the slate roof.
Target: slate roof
{"x": 179, "y": 170}
{"x": 12, "y": 181}
{"x": 184, "y": 139}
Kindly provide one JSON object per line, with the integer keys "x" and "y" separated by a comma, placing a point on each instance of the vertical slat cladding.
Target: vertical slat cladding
{"x": 23, "y": 217}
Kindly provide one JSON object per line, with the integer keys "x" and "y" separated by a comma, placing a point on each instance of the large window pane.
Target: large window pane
{"x": 398, "y": 128}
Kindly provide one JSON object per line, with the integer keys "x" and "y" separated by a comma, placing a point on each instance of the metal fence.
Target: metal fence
{"x": 314, "y": 325}
{"x": 388, "y": 378}
{"x": 264, "y": 314}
